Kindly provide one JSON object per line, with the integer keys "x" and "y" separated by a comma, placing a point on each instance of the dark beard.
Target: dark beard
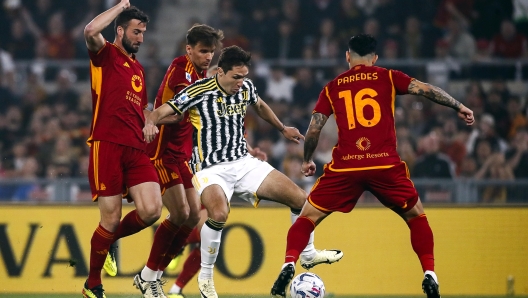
{"x": 127, "y": 45}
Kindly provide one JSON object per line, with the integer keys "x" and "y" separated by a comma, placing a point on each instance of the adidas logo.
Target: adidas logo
{"x": 103, "y": 187}
{"x": 174, "y": 175}
{"x": 126, "y": 64}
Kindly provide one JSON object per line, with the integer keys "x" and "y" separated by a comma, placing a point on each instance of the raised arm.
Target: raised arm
{"x": 310, "y": 142}
{"x": 441, "y": 97}
{"x": 265, "y": 112}
{"x": 92, "y": 32}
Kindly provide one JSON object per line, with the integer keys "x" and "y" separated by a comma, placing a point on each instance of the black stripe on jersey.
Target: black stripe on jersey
{"x": 199, "y": 88}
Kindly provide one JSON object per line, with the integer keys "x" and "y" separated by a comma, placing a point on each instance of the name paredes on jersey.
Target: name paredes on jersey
{"x": 361, "y": 156}
{"x": 230, "y": 109}
{"x": 370, "y": 76}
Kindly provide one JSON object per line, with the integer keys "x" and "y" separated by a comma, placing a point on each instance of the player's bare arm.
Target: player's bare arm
{"x": 92, "y": 32}
{"x": 266, "y": 113}
{"x": 151, "y": 130}
{"x": 310, "y": 142}
{"x": 171, "y": 119}
{"x": 436, "y": 94}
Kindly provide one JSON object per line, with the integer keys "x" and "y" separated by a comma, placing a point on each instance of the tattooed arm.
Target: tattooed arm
{"x": 310, "y": 143}
{"x": 436, "y": 94}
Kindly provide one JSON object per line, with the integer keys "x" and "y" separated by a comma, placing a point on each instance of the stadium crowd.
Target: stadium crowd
{"x": 43, "y": 132}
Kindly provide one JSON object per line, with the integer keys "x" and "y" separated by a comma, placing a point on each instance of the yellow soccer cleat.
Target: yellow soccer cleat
{"x": 95, "y": 292}
{"x": 174, "y": 263}
{"x": 110, "y": 264}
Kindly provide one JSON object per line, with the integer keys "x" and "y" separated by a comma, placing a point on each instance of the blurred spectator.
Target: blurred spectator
{"x": 279, "y": 85}
{"x": 487, "y": 16}
{"x": 432, "y": 164}
{"x": 314, "y": 12}
{"x": 390, "y": 50}
{"x": 459, "y": 10}
{"x": 324, "y": 42}
{"x": 291, "y": 167}
{"x": 517, "y": 156}
{"x": 389, "y": 14}
{"x": 452, "y": 142}
{"x": 468, "y": 168}
{"x": 284, "y": 44}
{"x": 225, "y": 15}
{"x": 483, "y": 53}
{"x": 29, "y": 188}
{"x": 495, "y": 168}
{"x": 485, "y": 130}
{"x": 13, "y": 126}
{"x": 516, "y": 116}
{"x": 257, "y": 28}
{"x": 499, "y": 85}
{"x": 497, "y": 109}
{"x": 520, "y": 15}
{"x": 407, "y": 152}
{"x": 413, "y": 39}
{"x": 233, "y": 37}
{"x": 306, "y": 89}
{"x": 438, "y": 69}
{"x": 7, "y": 70}
{"x": 20, "y": 44}
{"x": 64, "y": 95}
{"x": 509, "y": 43}
{"x": 350, "y": 20}
{"x": 461, "y": 43}
{"x": 372, "y": 27}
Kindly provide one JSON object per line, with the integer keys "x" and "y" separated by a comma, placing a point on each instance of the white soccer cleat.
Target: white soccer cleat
{"x": 161, "y": 283}
{"x": 207, "y": 288}
{"x": 149, "y": 289}
{"x": 322, "y": 257}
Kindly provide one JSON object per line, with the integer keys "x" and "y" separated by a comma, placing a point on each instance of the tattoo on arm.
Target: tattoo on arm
{"x": 312, "y": 135}
{"x": 433, "y": 93}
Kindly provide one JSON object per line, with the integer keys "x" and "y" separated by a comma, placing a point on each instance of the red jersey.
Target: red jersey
{"x": 176, "y": 138}
{"x": 118, "y": 97}
{"x": 362, "y": 100}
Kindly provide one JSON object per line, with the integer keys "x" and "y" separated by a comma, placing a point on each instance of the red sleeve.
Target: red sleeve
{"x": 104, "y": 54}
{"x": 401, "y": 82}
{"x": 178, "y": 80}
{"x": 324, "y": 104}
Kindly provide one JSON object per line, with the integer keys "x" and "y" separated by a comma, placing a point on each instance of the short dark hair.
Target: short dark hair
{"x": 128, "y": 14}
{"x": 233, "y": 56}
{"x": 206, "y": 35}
{"x": 362, "y": 44}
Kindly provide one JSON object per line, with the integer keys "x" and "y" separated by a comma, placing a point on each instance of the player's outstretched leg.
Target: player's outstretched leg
{"x": 321, "y": 257}
{"x": 283, "y": 280}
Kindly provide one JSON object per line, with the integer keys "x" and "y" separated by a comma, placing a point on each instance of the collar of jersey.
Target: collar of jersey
{"x": 132, "y": 58}
{"x": 220, "y": 87}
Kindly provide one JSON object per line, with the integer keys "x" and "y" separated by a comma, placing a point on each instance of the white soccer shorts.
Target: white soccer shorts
{"x": 241, "y": 177}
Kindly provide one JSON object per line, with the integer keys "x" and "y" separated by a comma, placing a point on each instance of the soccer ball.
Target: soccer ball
{"x": 307, "y": 285}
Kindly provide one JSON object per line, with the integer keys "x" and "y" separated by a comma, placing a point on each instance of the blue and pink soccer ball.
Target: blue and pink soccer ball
{"x": 307, "y": 285}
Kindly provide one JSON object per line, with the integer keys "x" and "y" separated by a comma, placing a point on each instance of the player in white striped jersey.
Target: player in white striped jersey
{"x": 220, "y": 161}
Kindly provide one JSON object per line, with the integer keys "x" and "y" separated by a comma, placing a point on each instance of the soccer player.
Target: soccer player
{"x": 220, "y": 160}
{"x": 170, "y": 153}
{"x": 118, "y": 160}
{"x": 365, "y": 157}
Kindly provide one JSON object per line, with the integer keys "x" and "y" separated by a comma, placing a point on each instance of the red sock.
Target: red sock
{"x": 422, "y": 241}
{"x": 162, "y": 240}
{"x": 194, "y": 237}
{"x": 130, "y": 224}
{"x": 190, "y": 267}
{"x": 298, "y": 237}
{"x": 100, "y": 244}
{"x": 175, "y": 247}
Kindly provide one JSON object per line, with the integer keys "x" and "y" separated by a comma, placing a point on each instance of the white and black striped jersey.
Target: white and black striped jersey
{"x": 217, "y": 118}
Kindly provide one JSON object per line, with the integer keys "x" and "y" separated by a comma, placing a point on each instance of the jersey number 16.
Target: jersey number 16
{"x": 362, "y": 99}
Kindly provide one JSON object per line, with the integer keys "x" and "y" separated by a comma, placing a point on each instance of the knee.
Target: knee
{"x": 193, "y": 219}
{"x": 179, "y": 215}
{"x": 218, "y": 215}
{"x": 151, "y": 213}
{"x": 110, "y": 221}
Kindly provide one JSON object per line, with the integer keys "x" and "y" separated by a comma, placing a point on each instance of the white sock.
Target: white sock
{"x": 308, "y": 252}
{"x": 175, "y": 289}
{"x": 210, "y": 245}
{"x": 148, "y": 274}
{"x": 286, "y": 264}
{"x": 159, "y": 273}
{"x": 432, "y": 275}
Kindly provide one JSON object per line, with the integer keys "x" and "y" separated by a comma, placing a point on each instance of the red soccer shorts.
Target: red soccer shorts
{"x": 114, "y": 168}
{"x": 340, "y": 191}
{"x": 172, "y": 171}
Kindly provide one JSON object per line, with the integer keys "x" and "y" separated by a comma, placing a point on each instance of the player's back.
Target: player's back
{"x": 362, "y": 100}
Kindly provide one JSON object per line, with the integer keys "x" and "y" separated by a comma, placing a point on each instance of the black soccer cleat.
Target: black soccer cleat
{"x": 283, "y": 280}
{"x": 430, "y": 287}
